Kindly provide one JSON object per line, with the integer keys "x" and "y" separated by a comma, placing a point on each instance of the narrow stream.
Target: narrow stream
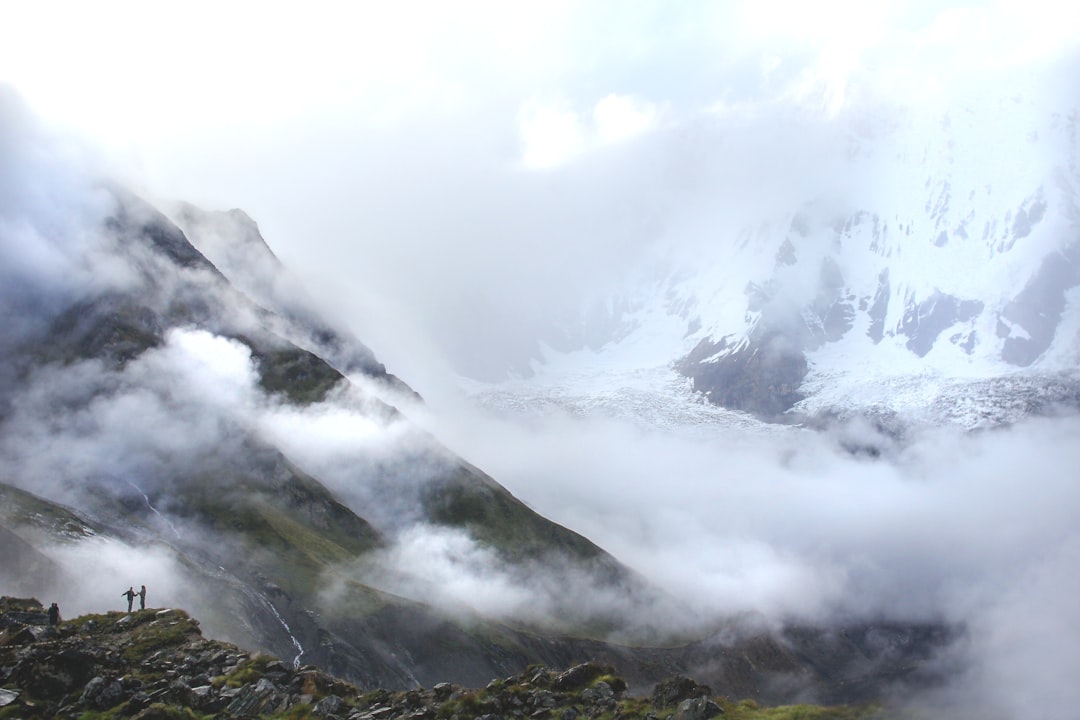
{"x": 295, "y": 642}
{"x": 154, "y": 509}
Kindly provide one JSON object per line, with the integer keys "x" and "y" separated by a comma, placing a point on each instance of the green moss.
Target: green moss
{"x": 111, "y": 326}
{"x": 248, "y": 671}
{"x": 749, "y": 710}
{"x": 169, "y": 631}
{"x": 291, "y": 529}
{"x": 299, "y": 375}
{"x": 617, "y": 683}
{"x": 468, "y": 705}
{"x": 468, "y": 499}
{"x": 158, "y": 710}
{"x": 297, "y": 712}
{"x": 9, "y": 604}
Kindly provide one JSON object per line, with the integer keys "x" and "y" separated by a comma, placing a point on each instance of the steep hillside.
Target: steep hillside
{"x": 159, "y": 395}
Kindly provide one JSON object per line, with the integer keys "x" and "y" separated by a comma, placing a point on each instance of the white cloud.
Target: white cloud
{"x": 618, "y": 117}
{"x": 551, "y": 134}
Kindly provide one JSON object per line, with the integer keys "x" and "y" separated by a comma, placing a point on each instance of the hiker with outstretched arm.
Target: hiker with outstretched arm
{"x": 130, "y": 595}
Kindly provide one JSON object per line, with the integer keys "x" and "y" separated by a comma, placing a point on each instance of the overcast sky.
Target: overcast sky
{"x": 449, "y": 175}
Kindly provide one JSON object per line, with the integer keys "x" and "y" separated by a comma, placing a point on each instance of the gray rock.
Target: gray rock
{"x": 253, "y": 699}
{"x": 329, "y": 706}
{"x": 701, "y": 708}
{"x": 111, "y": 695}
{"x": 92, "y": 689}
{"x": 202, "y": 695}
{"x": 676, "y": 689}
{"x": 924, "y": 322}
{"x": 579, "y": 676}
{"x": 545, "y": 698}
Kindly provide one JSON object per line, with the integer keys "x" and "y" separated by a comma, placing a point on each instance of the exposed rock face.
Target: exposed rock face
{"x": 944, "y": 274}
{"x": 761, "y": 376}
{"x": 925, "y": 321}
{"x": 1029, "y": 322}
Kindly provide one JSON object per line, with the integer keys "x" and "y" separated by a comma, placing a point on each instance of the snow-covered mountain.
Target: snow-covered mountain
{"x": 880, "y": 259}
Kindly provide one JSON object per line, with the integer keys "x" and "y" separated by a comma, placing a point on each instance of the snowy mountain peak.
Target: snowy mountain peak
{"x": 941, "y": 241}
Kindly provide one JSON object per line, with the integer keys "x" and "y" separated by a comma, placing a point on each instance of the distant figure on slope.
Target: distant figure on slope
{"x": 130, "y": 595}
{"x": 54, "y": 615}
{"x": 142, "y": 598}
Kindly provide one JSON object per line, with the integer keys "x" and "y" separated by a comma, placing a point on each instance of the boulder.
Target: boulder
{"x": 102, "y": 693}
{"x": 329, "y": 706}
{"x": 17, "y": 635}
{"x": 700, "y": 708}
{"x": 580, "y": 675}
{"x": 675, "y": 689}
{"x": 255, "y": 699}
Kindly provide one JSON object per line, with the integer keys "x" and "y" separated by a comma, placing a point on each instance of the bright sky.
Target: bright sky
{"x": 142, "y": 75}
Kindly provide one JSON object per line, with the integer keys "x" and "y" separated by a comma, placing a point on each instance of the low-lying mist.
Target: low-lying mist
{"x": 977, "y": 530}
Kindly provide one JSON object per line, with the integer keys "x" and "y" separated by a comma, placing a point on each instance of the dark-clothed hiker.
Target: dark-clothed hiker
{"x": 54, "y": 615}
{"x": 130, "y": 595}
{"x": 142, "y": 598}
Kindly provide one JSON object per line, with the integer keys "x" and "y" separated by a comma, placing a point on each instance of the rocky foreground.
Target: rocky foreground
{"x": 155, "y": 663}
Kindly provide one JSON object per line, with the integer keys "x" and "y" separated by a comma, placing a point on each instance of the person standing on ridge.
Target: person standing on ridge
{"x": 54, "y": 615}
{"x": 142, "y": 598}
{"x": 130, "y": 595}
